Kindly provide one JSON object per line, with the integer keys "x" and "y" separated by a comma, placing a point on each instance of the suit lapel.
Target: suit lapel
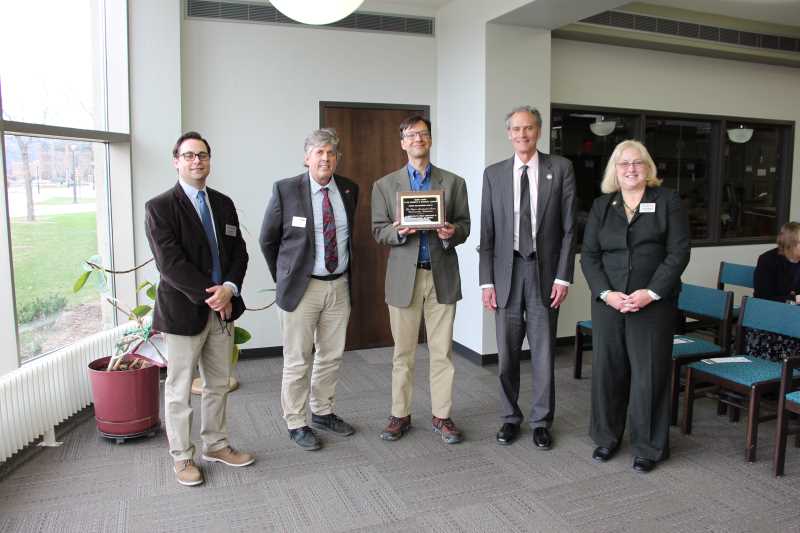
{"x": 506, "y": 187}
{"x": 545, "y": 188}
{"x": 304, "y": 194}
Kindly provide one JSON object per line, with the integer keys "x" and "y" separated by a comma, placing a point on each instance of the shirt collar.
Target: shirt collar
{"x": 533, "y": 163}
{"x": 190, "y": 191}
{"x": 413, "y": 171}
{"x": 316, "y": 187}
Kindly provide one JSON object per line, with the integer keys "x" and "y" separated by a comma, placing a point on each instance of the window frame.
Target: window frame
{"x": 716, "y": 163}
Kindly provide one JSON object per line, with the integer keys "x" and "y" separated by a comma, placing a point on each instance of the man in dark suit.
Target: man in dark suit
{"x": 198, "y": 248}
{"x": 526, "y": 265}
{"x": 306, "y": 240}
{"x": 421, "y": 279}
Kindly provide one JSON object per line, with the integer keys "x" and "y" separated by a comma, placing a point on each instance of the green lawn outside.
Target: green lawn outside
{"x": 48, "y": 254}
{"x": 64, "y": 200}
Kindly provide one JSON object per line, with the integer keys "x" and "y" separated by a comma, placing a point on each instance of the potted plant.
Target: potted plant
{"x": 125, "y": 386}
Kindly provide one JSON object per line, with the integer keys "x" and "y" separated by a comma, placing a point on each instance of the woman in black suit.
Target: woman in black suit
{"x": 635, "y": 247}
{"x": 777, "y": 277}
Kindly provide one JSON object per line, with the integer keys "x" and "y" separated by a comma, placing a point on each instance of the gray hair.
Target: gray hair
{"x": 322, "y": 137}
{"x": 523, "y": 109}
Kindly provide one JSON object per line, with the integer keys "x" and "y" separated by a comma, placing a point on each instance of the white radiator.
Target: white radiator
{"x": 43, "y": 393}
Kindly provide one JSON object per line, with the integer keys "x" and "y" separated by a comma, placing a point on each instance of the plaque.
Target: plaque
{"x": 420, "y": 209}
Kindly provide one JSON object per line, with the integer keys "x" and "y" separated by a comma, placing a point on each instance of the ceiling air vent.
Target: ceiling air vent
{"x": 267, "y": 14}
{"x": 690, "y": 30}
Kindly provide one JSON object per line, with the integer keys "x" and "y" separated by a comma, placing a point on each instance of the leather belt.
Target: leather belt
{"x": 329, "y": 277}
{"x": 424, "y": 266}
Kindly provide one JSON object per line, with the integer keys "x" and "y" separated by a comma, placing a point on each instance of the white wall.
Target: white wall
{"x": 254, "y": 90}
{"x": 600, "y": 75}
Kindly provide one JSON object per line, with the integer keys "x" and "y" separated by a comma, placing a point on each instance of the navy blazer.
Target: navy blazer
{"x": 650, "y": 252}
{"x": 183, "y": 257}
{"x": 289, "y": 250}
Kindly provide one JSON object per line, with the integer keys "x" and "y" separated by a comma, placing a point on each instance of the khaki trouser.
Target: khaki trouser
{"x": 320, "y": 320}
{"x": 405, "y": 330}
{"x": 211, "y": 350}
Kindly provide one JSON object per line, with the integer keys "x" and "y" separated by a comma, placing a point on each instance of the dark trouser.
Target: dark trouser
{"x": 525, "y": 313}
{"x": 631, "y": 365}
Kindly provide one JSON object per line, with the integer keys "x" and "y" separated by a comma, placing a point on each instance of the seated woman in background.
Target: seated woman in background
{"x": 777, "y": 277}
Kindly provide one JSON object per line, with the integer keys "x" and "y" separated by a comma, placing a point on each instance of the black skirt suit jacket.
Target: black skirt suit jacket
{"x": 650, "y": 252}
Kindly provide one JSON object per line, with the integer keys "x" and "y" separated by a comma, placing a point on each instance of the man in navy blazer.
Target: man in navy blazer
{"x": 527, "y": 259}
{"x": 306, "y": 241}
{"x": 198, "y": 248}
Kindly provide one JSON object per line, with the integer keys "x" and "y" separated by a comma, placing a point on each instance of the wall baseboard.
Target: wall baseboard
{"x": 259, "y": 353}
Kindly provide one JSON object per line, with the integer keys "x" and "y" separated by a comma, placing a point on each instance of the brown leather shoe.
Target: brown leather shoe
{"x": 448, "y": 430}
{"x": 230, "y": 457}
{"x": 397, "y": 427}
{"x": 187, "y": 473}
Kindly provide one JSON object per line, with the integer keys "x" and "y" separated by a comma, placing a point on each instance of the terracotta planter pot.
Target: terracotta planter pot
{"x": 126, "y": 402}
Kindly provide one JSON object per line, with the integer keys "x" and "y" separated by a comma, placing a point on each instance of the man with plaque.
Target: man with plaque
{"x": 527, "y": 258}
{"x": 421, "y": 212}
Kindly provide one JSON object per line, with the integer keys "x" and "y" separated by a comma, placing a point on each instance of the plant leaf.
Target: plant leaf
{"x": 241, "y": 335}
{"x": 140, "y": 310}
{"x": 142, "y": 285}
{"x": 81, "y": 281}
{"x": 151, "y": 292}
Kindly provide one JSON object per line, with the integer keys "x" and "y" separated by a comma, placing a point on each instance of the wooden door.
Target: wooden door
{"x": 370, "y": 146}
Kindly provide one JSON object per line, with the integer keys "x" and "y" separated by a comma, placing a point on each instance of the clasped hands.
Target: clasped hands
{"x": 220, "y": 300}
{"x": 629, "y": 303}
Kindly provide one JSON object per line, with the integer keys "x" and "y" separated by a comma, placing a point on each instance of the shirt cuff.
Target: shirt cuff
{"x": 233, "y": 287}
{"x": 604, "y": 295}
{"x": 487, "y": 286}
{"x": 653, "y": 295}
{"x": 562, "y": 282}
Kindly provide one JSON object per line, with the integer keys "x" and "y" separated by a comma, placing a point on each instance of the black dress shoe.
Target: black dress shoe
{"x": 602, "y": 454}
{"x": 640, "y": 464}
{"x": 508, "y": 433}
{"x": 542, "y": 438}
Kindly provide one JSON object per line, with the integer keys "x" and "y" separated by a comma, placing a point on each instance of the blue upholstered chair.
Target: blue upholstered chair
{"x": 706, "y": 304}
{"x": 749, "y": 381}
{"x": 788, "y": 402}
{"x": 736, "y": 275}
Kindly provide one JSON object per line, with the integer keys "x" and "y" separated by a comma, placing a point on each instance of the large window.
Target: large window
{"x": 734, "y": 186}
{"x": 63, "y": 96}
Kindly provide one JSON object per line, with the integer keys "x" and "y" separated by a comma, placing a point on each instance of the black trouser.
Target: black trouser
{"x": 631, "y": 365}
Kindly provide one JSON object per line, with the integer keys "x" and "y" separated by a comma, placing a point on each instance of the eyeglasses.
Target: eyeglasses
{"x": 628, "y": 164}
{"x": 417, "y": 134}
{"x": 189, "y": 156}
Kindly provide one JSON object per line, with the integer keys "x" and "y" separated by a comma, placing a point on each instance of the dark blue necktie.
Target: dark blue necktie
{"x": 205, "y": 216}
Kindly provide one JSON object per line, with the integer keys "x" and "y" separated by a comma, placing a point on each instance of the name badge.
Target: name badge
{"x": 647, "y": 207}
{"x": 298, "y": 222}
{"x": 230, "y": 230}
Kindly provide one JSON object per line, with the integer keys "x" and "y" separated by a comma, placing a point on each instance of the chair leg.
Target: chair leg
{"x": 578, "y": 353}
{"x": 688, "y": 403}
{"x": 733, "y": 413}
{"x": 752, "y": 425}
{"x": 722, "y": 408}
{"x": 779, "y": 456}
{"x": 676, "y": 385}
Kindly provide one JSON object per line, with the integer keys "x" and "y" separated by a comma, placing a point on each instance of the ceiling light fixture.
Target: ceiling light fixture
{"x": 316, "y": 11}
{"x": 602, "y": 127}
{"x": 740, "y": 135}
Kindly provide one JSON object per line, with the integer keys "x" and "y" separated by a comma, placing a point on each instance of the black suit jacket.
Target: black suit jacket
{"x": 776, "y": 278}
{"x": 183, "y": 257}
{"x": 289, "y": 250}
{"x": 649, "y": 253}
